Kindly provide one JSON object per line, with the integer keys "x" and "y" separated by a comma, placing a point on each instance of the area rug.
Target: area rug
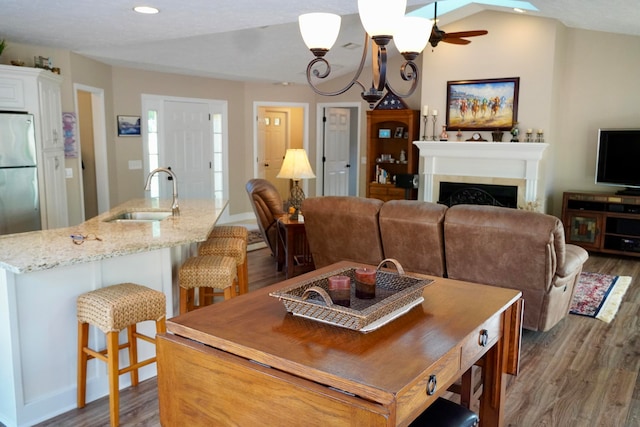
{"x": 255, "y": 241}
{"x": 599, "y": 295}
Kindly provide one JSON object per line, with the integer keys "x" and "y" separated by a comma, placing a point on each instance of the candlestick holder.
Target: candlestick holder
{"x": 435, "y": 120}
{"x": 425, "y": 118}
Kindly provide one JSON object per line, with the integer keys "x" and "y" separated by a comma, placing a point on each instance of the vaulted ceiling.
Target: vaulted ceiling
{"x": 247, "y": 40}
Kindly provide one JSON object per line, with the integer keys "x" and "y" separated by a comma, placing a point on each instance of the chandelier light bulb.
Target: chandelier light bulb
{"x": 319, "y": 31}
{"x": 412, "y": 36}
{"x": 381, "y": 17}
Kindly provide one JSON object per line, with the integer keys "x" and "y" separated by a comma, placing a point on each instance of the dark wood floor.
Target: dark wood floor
{"x": 583, "y": 372}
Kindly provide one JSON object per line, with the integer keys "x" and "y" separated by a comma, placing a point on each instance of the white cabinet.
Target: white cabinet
{"x": 50, "y": 114}
{"x": 55, "y": 189}
{"x": 37, "y": 91}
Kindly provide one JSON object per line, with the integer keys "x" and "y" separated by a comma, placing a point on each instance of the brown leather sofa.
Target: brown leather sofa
{"x": 343, "y": 228}
{"x": 482, "y": 244}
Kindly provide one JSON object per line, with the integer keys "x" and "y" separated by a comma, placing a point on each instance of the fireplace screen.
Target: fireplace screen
{"x": 455, "y": 193}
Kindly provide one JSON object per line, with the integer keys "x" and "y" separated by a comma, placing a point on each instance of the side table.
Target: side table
{"x": 293, "y": 248}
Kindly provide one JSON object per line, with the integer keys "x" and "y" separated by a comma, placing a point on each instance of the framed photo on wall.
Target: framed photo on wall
{"x": 488, "y": 104}
{"x": 129, "y": 126}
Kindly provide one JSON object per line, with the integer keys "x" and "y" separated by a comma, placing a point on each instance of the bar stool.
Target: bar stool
{"x": 213, "y": 275}
{"x": 230, "y": 247}
{"x": 445, "y": 413}
{"x": 235, "y": 231}
{"x": 112, "y": 309}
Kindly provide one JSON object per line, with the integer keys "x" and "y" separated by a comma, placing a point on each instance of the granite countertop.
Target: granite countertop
{"x": 47, "y": 249}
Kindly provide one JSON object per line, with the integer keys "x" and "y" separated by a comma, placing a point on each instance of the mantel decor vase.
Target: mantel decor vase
{"x": 497, "y": 136}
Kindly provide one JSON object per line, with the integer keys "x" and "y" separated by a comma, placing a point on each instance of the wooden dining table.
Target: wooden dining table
{"x": 247, "y": 361}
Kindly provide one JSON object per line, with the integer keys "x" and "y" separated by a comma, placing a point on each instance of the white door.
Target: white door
{"x": 336, "y": 152}
{"x": 272, "y": 145}
{"x": 188, "y": 147}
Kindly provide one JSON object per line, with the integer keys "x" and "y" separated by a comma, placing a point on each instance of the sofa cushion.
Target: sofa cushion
{"x": 412, "y": 233}
{"x": 343, "y": 228}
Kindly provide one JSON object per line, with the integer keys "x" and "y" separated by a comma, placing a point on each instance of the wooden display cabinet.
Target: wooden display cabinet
{"x": 602, "y": 222}
{"x": 389, "y": 133}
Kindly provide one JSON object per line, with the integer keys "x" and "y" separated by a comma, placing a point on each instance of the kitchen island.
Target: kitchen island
{"x": 43, "y": 272}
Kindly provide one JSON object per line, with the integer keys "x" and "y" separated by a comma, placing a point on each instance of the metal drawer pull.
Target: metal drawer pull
{"x": 484, "y": 338}
{"x": 432, "y": 385}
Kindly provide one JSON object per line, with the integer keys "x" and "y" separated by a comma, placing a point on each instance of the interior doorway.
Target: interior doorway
{"x": 278, "y": 126}
{"x": 338, "y": 149}
{"x": 92, "y": 166}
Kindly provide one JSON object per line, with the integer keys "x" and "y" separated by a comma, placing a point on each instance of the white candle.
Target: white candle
{"x": 529, "y": 131}
{"x": 434, "y": 112}
{"x": 539, "y": 130}
{"x": 425, "y": 110}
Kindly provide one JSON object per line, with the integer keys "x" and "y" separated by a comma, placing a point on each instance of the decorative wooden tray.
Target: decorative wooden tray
{"x": 396, "y": 293}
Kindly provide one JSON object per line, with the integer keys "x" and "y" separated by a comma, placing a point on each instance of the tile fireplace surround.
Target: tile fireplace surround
{"x": 501, "y": 163}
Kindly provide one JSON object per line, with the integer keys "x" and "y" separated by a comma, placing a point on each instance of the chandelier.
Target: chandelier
{"x": 383, "y": 21}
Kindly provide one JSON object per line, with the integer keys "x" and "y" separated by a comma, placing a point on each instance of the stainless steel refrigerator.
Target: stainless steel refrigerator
{"x": 19, "y": 199}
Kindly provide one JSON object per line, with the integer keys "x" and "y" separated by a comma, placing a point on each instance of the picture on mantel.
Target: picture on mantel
{"x": 488, "y": 104}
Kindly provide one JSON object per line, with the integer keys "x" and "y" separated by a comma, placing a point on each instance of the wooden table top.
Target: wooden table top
{"x": 376, "y": 365}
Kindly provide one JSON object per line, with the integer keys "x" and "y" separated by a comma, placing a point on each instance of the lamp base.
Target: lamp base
{"x": 295, "y": 199}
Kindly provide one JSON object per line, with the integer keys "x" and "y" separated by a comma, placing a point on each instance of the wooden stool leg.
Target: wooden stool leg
{"x": 186, "y": 300}
{"x": 243, "y": 277}
{"x": 83, "y": 342}
{"x": 133, "y": 353}
{"x": 161, "y": 326}
{"x": 113, "y": 374}
{"x": 230, "y": 291}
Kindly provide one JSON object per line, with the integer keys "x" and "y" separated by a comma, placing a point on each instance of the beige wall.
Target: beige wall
{"x": 571, "y": 83}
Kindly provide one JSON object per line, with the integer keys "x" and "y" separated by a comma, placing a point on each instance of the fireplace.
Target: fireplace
{"x": 457, "y": 193}
{"x": 488, "y": 163}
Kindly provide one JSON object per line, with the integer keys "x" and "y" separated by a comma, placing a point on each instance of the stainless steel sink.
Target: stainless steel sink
{"x": 140, "y": 216}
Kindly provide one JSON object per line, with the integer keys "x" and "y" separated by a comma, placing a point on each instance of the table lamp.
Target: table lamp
{"x": 296, "y": 167}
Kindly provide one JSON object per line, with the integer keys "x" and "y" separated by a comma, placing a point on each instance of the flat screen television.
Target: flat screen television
{"x": 618, "y": 159}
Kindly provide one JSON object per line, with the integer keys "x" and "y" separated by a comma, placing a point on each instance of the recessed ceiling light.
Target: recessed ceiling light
{"x": 146, "y": 9}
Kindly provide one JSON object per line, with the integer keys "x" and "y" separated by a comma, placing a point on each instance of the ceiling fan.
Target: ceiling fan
{"x": 437, "y": 35}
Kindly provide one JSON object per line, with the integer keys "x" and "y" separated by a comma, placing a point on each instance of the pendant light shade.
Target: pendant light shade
{"x": 319, "y": 30}
{"x": 413, "y": 35}
{"x": 381, "y": 17}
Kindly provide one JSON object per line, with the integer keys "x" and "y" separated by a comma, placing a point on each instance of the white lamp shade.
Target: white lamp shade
{"x": 381, "y": 17}
{"x": 319, "y": 30}
{"x": 296, "y": 165}
{"x": 413, "y": 35}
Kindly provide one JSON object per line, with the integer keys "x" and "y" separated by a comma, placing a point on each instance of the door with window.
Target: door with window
{"x": 273, "y": 143}
{"x": 189, "y": 136}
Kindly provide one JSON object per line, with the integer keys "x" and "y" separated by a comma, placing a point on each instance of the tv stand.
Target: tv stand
{"x": 629, "y": 192}
{"x": 603, "y": 222}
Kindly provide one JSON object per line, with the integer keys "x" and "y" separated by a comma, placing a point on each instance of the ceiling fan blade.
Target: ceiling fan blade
{"x": 455, "y": 41}
{"x": 467, "y": 33}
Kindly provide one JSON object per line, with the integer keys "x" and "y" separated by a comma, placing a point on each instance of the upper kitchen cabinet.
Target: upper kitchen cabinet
{"x": 37, "y": 91}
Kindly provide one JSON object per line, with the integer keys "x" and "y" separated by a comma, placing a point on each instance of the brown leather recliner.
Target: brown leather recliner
{"x": 267, "y": 206}
{"x": 515, "y": 249}
{"x": 343, "y": 228}
{"x": 412, "y": 233}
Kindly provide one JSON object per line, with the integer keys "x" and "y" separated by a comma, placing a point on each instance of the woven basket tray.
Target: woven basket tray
{"x": 395, "y": 294}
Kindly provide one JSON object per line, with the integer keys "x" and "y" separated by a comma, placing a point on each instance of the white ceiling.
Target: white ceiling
{"x": 250, "y": 40}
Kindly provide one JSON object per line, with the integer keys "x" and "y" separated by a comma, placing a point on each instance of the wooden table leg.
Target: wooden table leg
{"x": 494, "y": 371}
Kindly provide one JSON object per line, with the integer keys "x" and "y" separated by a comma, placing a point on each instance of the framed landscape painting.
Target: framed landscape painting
{"x": 489, "y": 104}
{"x": 128, "y": 125}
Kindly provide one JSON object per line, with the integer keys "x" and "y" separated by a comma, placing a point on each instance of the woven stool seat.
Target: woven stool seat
{"x": 115, "y": 307}
{"x": 206, "y": 271}
{"x": 112, "y": 309}
{"x": 229, "y": 247}
{"x": 235, "y": 231}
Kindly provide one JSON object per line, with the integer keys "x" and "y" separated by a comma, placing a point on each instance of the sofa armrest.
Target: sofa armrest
{"x": 575, "y": 257}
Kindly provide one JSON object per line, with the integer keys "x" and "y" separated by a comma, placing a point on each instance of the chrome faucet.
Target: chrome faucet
{"x": 175, "y": 210}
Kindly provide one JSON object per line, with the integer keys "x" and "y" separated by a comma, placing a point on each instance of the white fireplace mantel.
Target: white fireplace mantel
{"x": 481, "y": 159}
